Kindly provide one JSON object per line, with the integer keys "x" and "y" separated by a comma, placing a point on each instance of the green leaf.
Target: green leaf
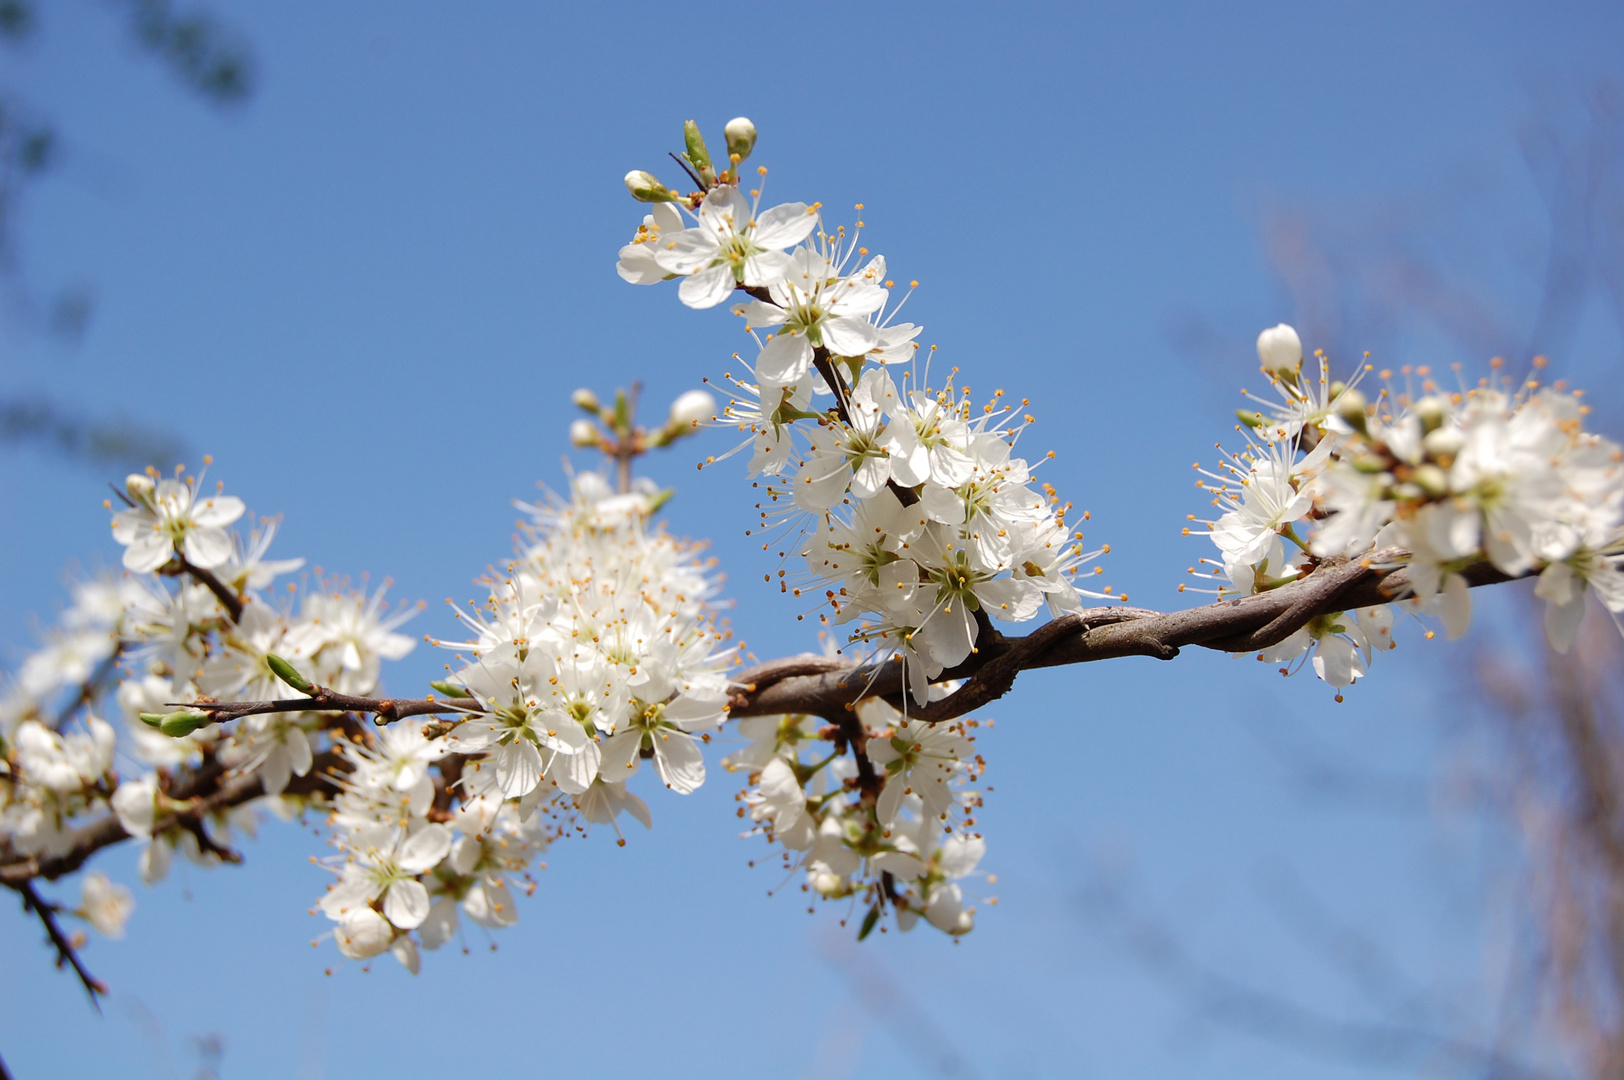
{"x": 869, "y": 922}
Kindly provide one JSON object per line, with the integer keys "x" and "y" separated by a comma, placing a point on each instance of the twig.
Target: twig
{"x": 87, "y": 692}
{"x": 222, "y": 592}
{"x": 65, "y": 951}
{"x": 386, "y": 710}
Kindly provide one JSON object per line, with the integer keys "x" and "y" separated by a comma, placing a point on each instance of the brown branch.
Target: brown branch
{"x": 66, "y": 953}
{"x": 209, "y": 791}
{"x": 222, "y": 592}
{"x": 1241, "y": 624}
{"x": 385, "y": 710}
{"x": 88, "y": 689}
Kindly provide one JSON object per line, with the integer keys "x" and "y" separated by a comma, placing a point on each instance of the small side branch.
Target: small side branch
{"x": 322, "y": 699}
{"x": 222, "y": 592}
{"x": 66, "y": 952}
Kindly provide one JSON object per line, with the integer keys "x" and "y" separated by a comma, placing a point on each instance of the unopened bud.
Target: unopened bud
{"x": 152, "y": 719}
{"x": 1280, "y": 350}
{"x": 1251, "y": 418}
{"x": 697, "y": 155}
{"x": 288, "y": 673}
{"x": 1369, "y": 464}
{"x": 1351, "y": 407}
{"x": 1443, "y": 443}
{"x": 450, "y": 690}
{"x": 585, "y": 399}
{"x": 181, "y": 724}
{"x": 690, "y": 408}
{"x": 645, "y": 188}
{"x": 584, "y": 433}
{"x": 741, "y": 137}
{"x": 139, "y": 487}
{"x": 1431, "y": 411}
{"x": 1431, "y": 480}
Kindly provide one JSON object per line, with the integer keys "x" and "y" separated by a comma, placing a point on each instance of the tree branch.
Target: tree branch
{"x": 1241, "y": 624}
{"x": 210, "y": 790}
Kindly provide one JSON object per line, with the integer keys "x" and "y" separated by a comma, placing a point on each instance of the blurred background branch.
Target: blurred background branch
{"x": 211, "y": 62}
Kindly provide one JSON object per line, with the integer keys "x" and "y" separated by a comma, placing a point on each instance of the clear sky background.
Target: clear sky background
{"x": 369, "y": 291}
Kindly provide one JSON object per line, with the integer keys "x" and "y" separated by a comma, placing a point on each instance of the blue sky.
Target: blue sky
{"x": 368, "y": 292}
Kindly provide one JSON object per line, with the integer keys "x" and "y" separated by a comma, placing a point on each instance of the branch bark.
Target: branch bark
{"x": 1241, "y": 624}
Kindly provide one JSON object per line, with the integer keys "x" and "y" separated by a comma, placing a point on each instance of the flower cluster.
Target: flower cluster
{"x": 911, "y": 513}
{"x": 594, "y": 649}
{"x": 877, "y": 813}
{"x": 1435, "y": 479}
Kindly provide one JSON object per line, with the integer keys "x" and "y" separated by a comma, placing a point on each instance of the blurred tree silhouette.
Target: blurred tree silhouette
{"x": 1535, "y": 759}
{"x": 210, "y": 61}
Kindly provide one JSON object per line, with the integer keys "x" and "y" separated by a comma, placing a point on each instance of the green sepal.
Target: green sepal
{"x": 152, "y": 719}
{"x": 288, "y": 674}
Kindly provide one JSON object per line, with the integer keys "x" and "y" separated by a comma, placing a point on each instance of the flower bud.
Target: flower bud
{"x": 645, "y": 188}
{"x": 1351, "y": 407}
{"x": 1443, "y": 443}
{"x": 691, "y": 408}
{"x": 181, "y": 724}
{"x": 741, "y": 137}
{"x": 1280, "y": 349}
{"x": 584, "y": 433}
{"x": 288, "y": 673}
{"x": 1431, "y": 411}
{"x": 139, "y": 487}
{"x": 152, "y": 719}
{"x": 697, "y": 155}
{"x": 585, "y": 399}
{"x": 1432, "y": 480}
{"x": 450, "y": 690}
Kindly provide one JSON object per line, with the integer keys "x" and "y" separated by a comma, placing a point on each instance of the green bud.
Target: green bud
{"x": 585, "y": 400}
{"x": 697, "y": 155}
{"x": 1432, "y": 480}
{"x": 1252, "y": 419}
{"x": 181, "y": 724}
{"x": 645, "y": 188}
{"x": 741, "y": 137}
{"x": 152, "y": 719}
{"x": 286, "y": 672}
{"x": 449, "y": 689}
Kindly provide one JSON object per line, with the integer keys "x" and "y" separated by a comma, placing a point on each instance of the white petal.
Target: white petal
{"x": 406, "y": 904}
{"x": 679, "y": 762}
